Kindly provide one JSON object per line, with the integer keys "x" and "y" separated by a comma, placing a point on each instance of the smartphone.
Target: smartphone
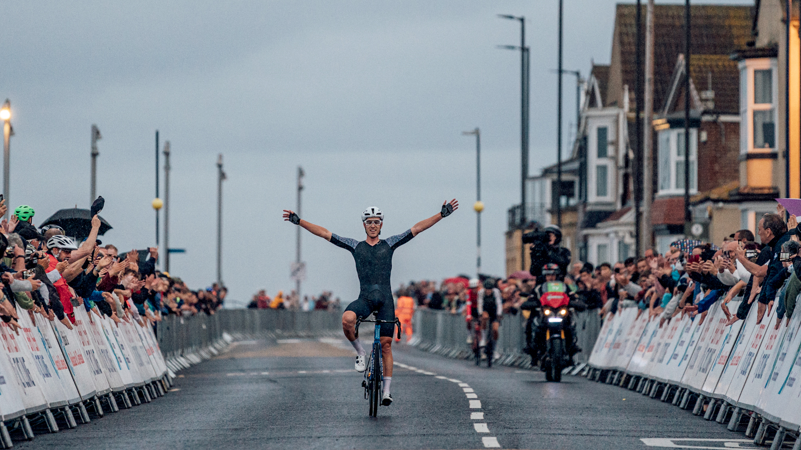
{"x": 751, "y": 254}
{"x": 785, "y": 256}
{"x": 694, "y": 259}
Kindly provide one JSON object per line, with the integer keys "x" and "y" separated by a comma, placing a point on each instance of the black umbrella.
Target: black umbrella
{"x": 76, "y": 222}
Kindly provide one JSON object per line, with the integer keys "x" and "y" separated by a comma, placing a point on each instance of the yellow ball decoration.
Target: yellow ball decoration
{"x": 478, "y": 206}
{"x": 157, "y": 203}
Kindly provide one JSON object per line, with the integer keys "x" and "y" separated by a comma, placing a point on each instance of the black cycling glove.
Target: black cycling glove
{"x": 294, "y": 218}
{"x": 447, "y": 209}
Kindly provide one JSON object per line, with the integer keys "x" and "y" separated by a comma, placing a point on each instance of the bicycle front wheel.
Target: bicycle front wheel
{"x": 375, "y": 392}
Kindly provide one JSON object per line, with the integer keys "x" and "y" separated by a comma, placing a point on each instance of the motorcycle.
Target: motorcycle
{"x": 554, "y": 317}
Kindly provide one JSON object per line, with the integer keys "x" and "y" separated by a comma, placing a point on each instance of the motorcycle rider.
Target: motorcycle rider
{"x": 535, "y": 331}
{"x": 549, "y": 251}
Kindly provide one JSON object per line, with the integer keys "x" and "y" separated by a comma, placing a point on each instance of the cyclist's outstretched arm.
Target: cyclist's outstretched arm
{"x": 316, "y": 230}
{"x": 447, "y": 209}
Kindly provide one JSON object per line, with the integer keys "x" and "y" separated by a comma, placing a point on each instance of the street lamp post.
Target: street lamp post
{"x": 478, "y": 206}
{"x": 298, "y": 269}
{"x": 157, "y": 186}
{"x": 167, "y": 206}
{"x": 220, "y": 178}
{"x": 95, "y": 137}
{"x": 559, "y": 128}
{"x": 5, "y": 116}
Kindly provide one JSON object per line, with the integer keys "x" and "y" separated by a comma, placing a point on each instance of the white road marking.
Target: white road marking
{"x": 464, "y": 385}
{"x": 468, "y": 389}
{"x": 475, "y": 404}
{"x": 238, "y": 374}
{"x": 289, "y": 341}
{"x": 440, "y": 377}
{"x": 490, "y": 442}
{"x": 426, "y": 373}
{"x": 454, "y": 381}
{"x": 325, "y": 371}
{"x": 175, "y": 389}
{"x": 477, "y": 416}
{"x": 471, "y": 395}
{"x": 265, "y": 373}
{"x": 678, "y": 443}
{"x": 301, "y": 371}
{"x": 481, "y": 427}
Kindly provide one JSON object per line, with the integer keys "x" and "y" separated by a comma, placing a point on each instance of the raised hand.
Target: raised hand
{"x": 290, "y": 216}
{"x": 449, "y": 207}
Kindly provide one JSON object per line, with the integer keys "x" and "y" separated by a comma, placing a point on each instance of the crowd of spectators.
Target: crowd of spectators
{"x": 456, "y": 294}
{"x": 692, "y": 276}
{"x": 325, "y": 301}
{"x": 44, "y": 271}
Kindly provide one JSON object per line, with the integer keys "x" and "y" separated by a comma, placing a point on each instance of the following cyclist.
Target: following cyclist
{"x": 490, "y": 310}
{"x": 373, "y": 257}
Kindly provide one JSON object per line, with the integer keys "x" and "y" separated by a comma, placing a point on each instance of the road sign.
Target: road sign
{"x": 298, "y": 271}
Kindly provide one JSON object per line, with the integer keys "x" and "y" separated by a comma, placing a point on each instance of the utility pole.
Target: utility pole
{"x": 157, "y": 186}
{"x": 648, "y": 139}
{"x": 299, "y": 270}
{"x": 688, "y": 216}
{"x": 559, "y": 126}
{"x": 95, "y": 137}
{"x": 167, "y": 206}
{"x": 220, "y": 178}
{"x": 638, "y": 159}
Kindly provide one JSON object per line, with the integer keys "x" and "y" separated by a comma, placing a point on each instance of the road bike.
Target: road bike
{"x": 374, "y": 372}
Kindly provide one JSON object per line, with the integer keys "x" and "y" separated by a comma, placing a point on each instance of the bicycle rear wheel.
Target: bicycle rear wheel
{"x": 375, "y": 391}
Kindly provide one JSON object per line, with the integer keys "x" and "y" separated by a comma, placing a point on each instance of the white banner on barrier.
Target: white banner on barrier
{"x": 56, "y": 357}
{"x": 632, "y": 332}
{"x": 779, "y": 397}
{"x": 25, "y": 373}
{"x": 730, "y": 335}
{"x": 708, "y": 348}
{"x": 90, "y": 354}
{"x": 600, "y": 341}
{"x": 657, "y": 370}
{"x": 11, "y": 403}
{"x": 674, "y": 367}
{"x": 119, "y": 359}
{"x": 638, "y": 360}
{"x": 45, "y": 372}
{"x": 158, "y": 357}
{"x": 104, "y": 353}
{"x": 138, "y": 351}
{"x": 150, "y": 349}
{"x": 613, "y": 332}
{"x": 737, "y": 353}
{"x": 136, "y": 377}
{"x": 655, "y": 348}
{"x": 763, "y": 364}
{"x": 73, "y": 351}
{"x": 749, "y": 356}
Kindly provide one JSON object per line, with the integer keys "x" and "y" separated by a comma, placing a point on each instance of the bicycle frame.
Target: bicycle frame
{"x": 374, "y": 372}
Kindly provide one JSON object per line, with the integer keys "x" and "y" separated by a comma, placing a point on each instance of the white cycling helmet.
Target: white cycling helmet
{"x": 372, "y": 211}
{"x": 62, "y": 242}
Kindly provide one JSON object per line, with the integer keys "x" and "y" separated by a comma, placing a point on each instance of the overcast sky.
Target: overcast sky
{"x": 370, "y": 98}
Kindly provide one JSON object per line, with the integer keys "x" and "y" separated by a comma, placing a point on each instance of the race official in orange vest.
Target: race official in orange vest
{"x": 404, "y": 311}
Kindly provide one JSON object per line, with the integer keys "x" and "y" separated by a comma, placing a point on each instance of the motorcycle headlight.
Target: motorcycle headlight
{"x": 563, "y": 312}
{"x": 547, "y": 312}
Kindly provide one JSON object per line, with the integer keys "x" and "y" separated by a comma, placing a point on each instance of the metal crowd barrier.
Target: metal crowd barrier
{"x": 446, "y": 334}
{"x": 184, "y": 340}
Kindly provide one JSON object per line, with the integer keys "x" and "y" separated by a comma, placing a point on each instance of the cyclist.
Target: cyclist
{"x": 490, "y": 310}
{"x": 373, "y": 257}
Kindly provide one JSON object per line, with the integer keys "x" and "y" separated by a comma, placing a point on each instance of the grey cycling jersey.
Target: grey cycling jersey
{"x": 373, "y": 262}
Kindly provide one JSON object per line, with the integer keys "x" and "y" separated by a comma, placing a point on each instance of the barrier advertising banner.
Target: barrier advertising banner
{"x": 56, "y": 357}
{"x": 45, "y": 372}
{"x": 730, "y": 335}
{"x": 74, "y": 355}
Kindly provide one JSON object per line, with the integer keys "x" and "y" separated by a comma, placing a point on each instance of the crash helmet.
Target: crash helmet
{"x": 61, "y": 242}
{"x": 473, "y": 283}
{"x": 556, "y": 231}
{"x": 550, "y": 269}
{"x": 489, "y": 283}
{"x": 372, "y": 211}
{"x": 24, "y": 212}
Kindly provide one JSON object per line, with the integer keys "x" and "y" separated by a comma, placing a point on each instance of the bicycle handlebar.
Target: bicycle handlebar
{"x": 376, "y": 321}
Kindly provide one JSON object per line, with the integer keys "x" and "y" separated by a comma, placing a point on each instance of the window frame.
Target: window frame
{"x": 748, "y": 106}
{"x": 674, "y": 136}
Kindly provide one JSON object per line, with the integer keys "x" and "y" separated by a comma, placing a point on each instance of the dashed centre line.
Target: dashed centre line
{"x": 481, "y": 427}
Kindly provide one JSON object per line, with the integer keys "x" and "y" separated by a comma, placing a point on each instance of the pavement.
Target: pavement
{"x": 304, "y": 394}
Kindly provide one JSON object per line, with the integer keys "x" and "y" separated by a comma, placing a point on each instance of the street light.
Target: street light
{"x": 93, "y": 188}
{"x": 167, "y": 168}
{"x": 478, "y": 206}
{"x": 524, "y": 82}
{"x": 220, "y": 178}
{"x": 5, "y": 116}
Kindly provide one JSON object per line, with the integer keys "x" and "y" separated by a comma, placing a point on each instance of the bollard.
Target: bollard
{"x": 734, "y": 422}
{"x": 778, "y": 440}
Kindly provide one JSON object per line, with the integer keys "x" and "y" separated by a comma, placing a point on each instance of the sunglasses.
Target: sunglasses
{"x": 372, "y": 222}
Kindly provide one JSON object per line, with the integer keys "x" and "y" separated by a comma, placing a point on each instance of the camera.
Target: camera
{"x": 536, "y": 237}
